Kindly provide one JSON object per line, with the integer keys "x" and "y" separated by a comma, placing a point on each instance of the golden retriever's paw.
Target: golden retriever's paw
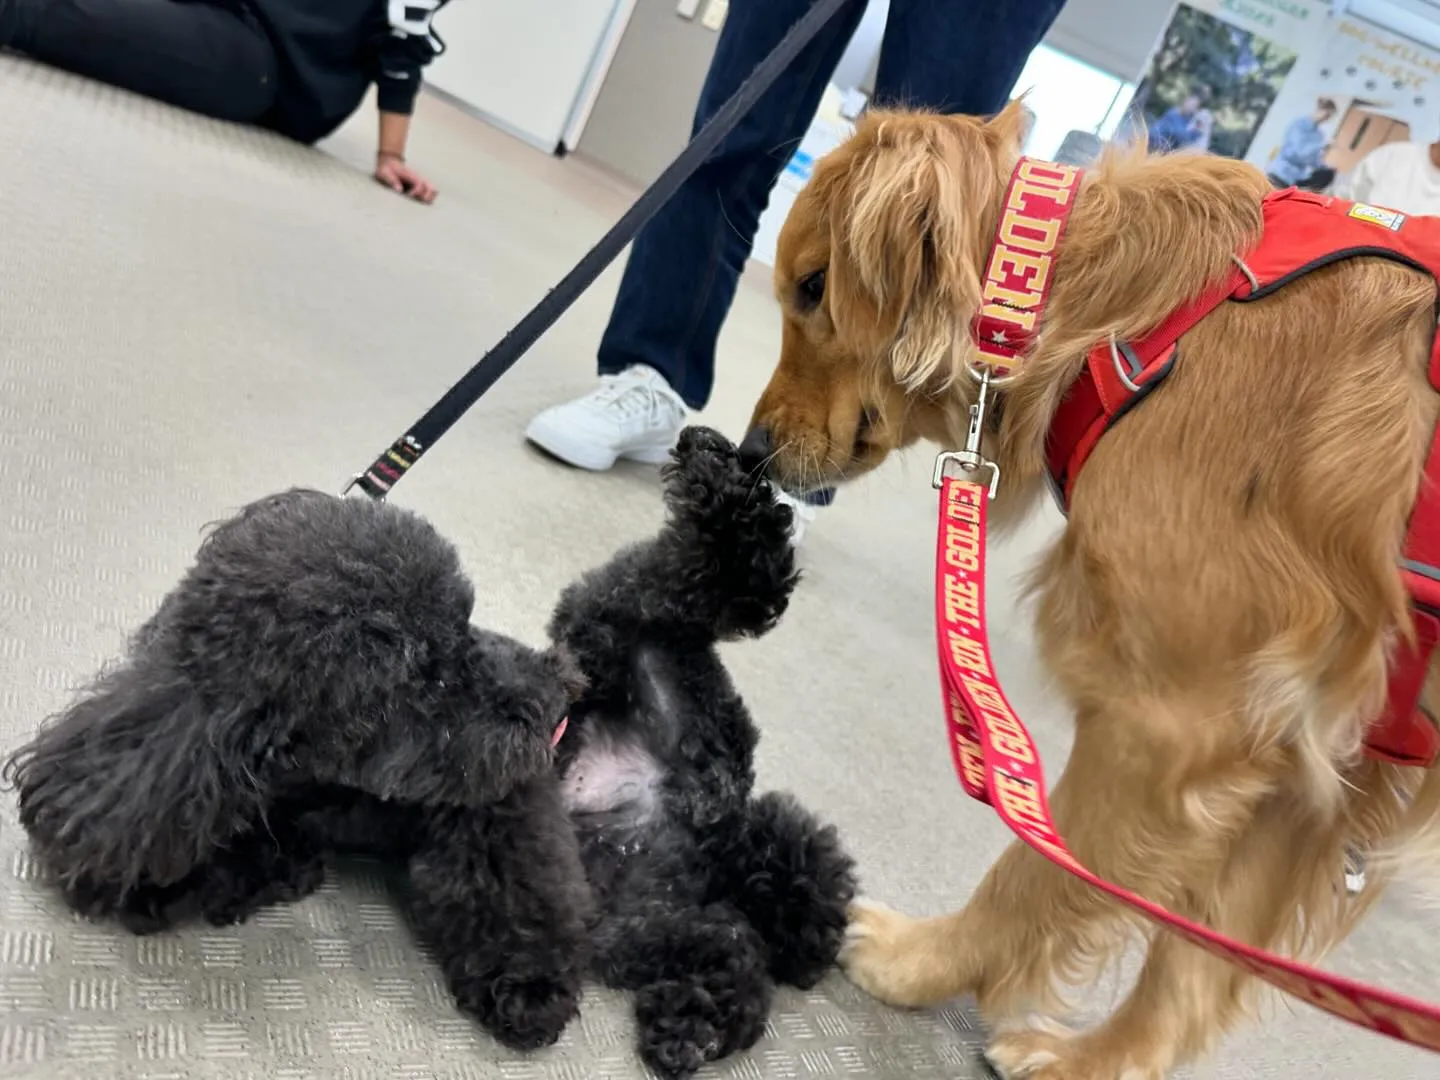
{"x": 1047, "y": 1050}
{"x": 895, "y": 958}
{"x": 871, "y": 919}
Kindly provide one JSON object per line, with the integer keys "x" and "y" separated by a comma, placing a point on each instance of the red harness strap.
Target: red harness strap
{"x": 1303, "y": 232}
{"x": 995, "y": 757}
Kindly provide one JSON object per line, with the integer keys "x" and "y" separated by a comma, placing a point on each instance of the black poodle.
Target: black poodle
{"x": 699, "y": 894}
{"x": 706, "y": 892}
{"x": 321, "y": 649}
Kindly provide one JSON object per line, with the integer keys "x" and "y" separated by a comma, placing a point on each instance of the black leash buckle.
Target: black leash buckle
{"x": 387, "y": 470}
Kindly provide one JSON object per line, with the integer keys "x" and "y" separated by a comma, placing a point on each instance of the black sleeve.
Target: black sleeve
{"x": 407, "y": 43}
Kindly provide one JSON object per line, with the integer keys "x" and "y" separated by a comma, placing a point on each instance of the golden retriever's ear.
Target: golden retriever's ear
{"x": 1010, "y": 127}
{"x": 905, "y": 224}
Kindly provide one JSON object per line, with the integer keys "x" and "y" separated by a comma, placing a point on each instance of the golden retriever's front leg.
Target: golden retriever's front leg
{"x": 1282, "y": 881}
{"x": 1176, "y": 1007}
{"x": 1028, "y": 922}
{"x": 1142, "y": 803}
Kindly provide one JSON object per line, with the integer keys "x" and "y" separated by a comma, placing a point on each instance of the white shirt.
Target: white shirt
{"x": 1397, "y": 176}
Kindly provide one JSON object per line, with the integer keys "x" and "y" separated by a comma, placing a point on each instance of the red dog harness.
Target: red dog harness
{"x": 995, "y": 757}
{"x": 1303, "y": 232}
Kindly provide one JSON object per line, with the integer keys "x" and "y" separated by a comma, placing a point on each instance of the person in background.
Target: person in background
{"x": 656, "y": 358}
{"x": 1177, "y": 128}
{"x": 1301, "y": 159}
{"x": 1398, "y": 176}
{"x": 1203, "y": 129}
{"x": 298, "y": 67}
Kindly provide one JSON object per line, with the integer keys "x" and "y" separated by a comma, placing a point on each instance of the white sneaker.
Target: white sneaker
{"x": 632, "y": 415}
{"x": 804, "y": 514}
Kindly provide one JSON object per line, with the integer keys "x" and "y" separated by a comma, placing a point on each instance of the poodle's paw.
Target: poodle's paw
{"x": 793, "y": 881}
{"x": 805, "y": 931}
{"x": 1047, "y": 1050}
{"x": 146, "y": 912}
{"x": 230, "y": 894}
{"x": 729, "y": 538}
{"x": 685, "y": 1023}
{"x": 707, "y": 486}
{"x": 899, "y": 960}
{"x": 704, "y": 481}
{"x": 142, "y": 910}
{"x": 522, "y": 1013}
{"x": 697, "y": 439}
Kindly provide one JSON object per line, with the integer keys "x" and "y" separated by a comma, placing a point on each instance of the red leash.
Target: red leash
{"x": 999, "y": 764}
{"x": 995, "y": 757}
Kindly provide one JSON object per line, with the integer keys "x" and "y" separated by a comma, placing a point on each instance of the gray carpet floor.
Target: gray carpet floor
{"x": 192, "y": 315}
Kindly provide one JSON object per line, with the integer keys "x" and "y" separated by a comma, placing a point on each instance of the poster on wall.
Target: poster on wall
{"x": 1363, "y": 88}
{"x": 1219, "y": 68}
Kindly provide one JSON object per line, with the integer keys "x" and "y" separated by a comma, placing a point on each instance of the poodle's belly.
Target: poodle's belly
{"x": 612, "y": 777}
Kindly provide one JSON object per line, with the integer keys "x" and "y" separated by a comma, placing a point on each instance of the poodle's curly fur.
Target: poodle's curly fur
{"x": 322, "y": 647}
{"x": 314, "y": 685}
{"x": 707, "y": 893}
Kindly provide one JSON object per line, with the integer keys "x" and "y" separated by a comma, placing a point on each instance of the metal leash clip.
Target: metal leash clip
{"x": 970, "y": 460}
{"x": 355, "y": 485}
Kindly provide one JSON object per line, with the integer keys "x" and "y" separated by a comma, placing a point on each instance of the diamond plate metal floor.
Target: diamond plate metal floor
{"x": 192, "y": 315}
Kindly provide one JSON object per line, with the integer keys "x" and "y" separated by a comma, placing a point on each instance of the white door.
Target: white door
{"x": 521, "y": 64}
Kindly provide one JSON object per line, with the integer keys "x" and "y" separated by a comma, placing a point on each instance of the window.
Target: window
{"x": 1068, "y": 95}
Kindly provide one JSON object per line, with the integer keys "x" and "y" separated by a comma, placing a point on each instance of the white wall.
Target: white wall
{"x": 857, "y": 66}
{"x": 1114, "y": 35}
{"x": 520, "y": 63}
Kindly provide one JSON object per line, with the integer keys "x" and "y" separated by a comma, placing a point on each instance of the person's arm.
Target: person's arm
{"x": 391, "y": 168}
{"x": 1292, "y": 148}
{"x": 394, "y": 134}
{"x": 408, "y": 45}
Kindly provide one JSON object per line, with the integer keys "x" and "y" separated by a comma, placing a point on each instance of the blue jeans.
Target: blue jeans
{"x": 960, "y": 56}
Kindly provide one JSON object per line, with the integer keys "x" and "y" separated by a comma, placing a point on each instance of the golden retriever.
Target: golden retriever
{"x": 1219, "y": 608}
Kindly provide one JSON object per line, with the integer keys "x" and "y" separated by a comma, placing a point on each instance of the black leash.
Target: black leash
{"x": 390, "y": 467}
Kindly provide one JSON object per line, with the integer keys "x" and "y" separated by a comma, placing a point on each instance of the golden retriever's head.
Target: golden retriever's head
{"x": 878, "y": 274}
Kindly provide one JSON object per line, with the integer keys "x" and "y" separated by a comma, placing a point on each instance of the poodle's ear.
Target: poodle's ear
{"x": 906, "y": 223}
{"x": 136, "y": 780}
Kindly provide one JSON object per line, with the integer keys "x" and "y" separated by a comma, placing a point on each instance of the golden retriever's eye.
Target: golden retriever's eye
{"x": 811, "y": 290}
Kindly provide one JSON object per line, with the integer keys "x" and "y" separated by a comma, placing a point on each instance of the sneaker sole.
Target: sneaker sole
{"x": 587, "y": 456}
{"x": 655, "y": 455}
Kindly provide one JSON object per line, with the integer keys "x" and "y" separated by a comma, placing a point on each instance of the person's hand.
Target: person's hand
{"x": 391, "y": 170}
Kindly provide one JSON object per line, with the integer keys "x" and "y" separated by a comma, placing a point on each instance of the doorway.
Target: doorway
{"x": 1360, "y": 131}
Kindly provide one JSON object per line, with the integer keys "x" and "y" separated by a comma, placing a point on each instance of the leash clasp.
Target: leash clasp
{"x": 970, "y": 460}
{"x": 357, "y": 483}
